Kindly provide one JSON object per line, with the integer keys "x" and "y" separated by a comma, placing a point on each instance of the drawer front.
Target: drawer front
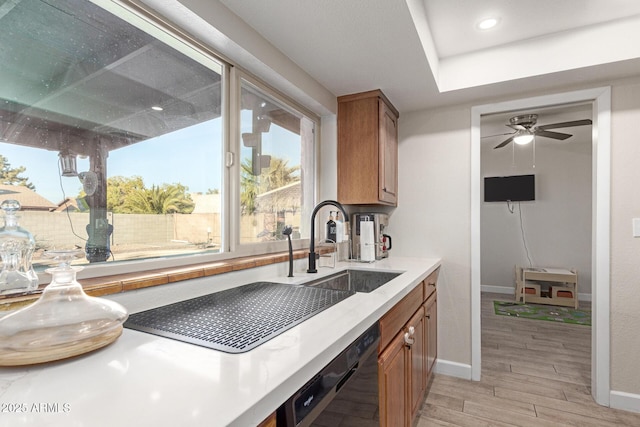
{"x": 392, "y": 322}
{"x": 430, "y": 283}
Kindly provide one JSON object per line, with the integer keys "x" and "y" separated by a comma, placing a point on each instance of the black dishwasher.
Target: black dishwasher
{"x": 307, "y": 403}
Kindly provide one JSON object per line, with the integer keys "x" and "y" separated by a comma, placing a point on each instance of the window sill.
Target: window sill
{"x": 108, "y": 285}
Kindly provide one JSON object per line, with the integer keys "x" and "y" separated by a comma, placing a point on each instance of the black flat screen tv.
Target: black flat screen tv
{"x": 515, "y": 188}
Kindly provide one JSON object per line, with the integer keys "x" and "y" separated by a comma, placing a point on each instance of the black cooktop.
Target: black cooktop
{"x": 238, "y": 319}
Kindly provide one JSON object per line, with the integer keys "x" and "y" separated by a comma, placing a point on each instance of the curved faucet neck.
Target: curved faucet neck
{"x": 312, "y": 252}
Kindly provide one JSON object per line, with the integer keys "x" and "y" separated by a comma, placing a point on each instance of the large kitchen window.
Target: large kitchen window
{"x": 116, "y": 137}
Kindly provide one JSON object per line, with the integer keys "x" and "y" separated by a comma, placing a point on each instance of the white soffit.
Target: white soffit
{"x": 531, "y": 39}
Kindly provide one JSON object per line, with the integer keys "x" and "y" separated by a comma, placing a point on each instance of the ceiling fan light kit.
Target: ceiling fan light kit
{"x": 523, "y": 138}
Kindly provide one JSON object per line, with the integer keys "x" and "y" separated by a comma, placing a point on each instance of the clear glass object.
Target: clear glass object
{"x": 63, "y": 322}
{"x": 16, "y": 249}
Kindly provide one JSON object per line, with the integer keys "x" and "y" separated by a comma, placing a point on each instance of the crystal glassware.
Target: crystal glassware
{"x": 63, "y": 322}
{"x": 16, "y": 249}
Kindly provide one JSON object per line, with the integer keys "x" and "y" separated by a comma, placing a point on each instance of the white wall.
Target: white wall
{"x": 625, "y": 249}
{"x": 433, "y": 214}
{"x": 557, "y": 225}
{"x": 432, "y": 219}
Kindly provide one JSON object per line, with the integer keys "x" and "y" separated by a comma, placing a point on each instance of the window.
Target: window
{"x": 275, "y": 142}
{"x": 113, "y": 139}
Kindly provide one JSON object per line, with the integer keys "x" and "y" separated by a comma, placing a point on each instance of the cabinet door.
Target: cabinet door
{"x": 392, "y": 384}
{"x": 388, "y": 156}
{"x": 270, "y": 421}
{"x": 431, "y": 333}
{"x": 416, "y": 367}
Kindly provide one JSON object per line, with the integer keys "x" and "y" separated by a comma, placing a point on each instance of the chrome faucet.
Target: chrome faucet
{"x": 312, "y": 251}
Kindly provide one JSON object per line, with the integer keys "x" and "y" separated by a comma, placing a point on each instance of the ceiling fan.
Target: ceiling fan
{"x": 525, "y": 129}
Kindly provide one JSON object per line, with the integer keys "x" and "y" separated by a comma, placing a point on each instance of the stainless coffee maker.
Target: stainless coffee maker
{"x": 382, "y": 241}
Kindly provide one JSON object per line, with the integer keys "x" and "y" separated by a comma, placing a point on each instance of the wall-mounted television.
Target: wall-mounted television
{"x": 515, "y": 188}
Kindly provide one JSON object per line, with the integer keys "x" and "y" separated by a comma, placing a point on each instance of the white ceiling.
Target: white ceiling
{"x": 428, "y": 53}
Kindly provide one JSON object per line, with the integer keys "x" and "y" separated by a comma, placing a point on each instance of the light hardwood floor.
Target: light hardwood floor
{"x": 534, "y": 373}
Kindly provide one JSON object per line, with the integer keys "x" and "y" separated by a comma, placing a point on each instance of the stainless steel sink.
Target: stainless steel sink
{"x": 354, "y": 280}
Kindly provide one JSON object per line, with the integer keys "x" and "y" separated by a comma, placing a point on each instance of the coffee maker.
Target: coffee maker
{"x": 381, "y": 241}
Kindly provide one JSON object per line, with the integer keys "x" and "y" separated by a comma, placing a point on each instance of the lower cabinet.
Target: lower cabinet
{"x": 431, "y": 335}
{"x": 392, "y": 384}
{"x": 415, "y": 348}
{"x": 408, "y": 351}
{"x": 270, "y": 421}
{"x": 401, "y": 376}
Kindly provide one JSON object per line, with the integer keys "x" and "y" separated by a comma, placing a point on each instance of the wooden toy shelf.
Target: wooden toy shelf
{"x": 546, "y": 285}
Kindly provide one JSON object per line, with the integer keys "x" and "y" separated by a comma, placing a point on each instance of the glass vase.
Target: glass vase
{"x": 16, "y": 249}
{"x": 63, "y": 322}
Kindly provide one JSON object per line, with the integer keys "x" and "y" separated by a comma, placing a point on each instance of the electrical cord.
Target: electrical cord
{"x": 64, "y": 197}
{"x": 524, "y": 241}
{"x": 511, "y": 208}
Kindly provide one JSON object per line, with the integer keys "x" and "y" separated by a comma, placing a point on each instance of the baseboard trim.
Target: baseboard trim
{"x": 497, "y": 289}
{"x": 624, "y": 401}
{"x": 584, "y": 297}
{"x": 453, "y": 369}
{"x": 511, "y": 291}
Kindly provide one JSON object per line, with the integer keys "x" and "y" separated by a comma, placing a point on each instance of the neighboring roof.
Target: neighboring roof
{"x": 71, "y": 204}
{"x": 286, "y": 197}
{"x": 29, "y": 200}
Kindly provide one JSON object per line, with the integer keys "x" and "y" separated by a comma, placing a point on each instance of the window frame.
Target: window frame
{"x": 237, "y": 76}
{"x": 232, "y": 76}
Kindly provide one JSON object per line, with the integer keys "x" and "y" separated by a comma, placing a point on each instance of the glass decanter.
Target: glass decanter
{"x": 63, "y": 322}
{"x": 16, "y": 249}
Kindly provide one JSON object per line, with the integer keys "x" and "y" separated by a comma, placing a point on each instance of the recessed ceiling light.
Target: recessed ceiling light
{"x": 157, "y": 108}
{"x": 488, "y": 23}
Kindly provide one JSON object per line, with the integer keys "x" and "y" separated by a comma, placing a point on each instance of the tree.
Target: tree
{"x": 11, "y": 176}
{"x": 249, "y": 188}
{"x": 129, "y": 195}
{"x": 119, "y": 189}
{"x": 165, "y": 199}
{"x": 276, "y": 176}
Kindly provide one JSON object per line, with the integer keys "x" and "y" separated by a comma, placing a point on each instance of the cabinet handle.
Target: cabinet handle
{"x": 408, "y": 340}
{"x": 428, "y": 316}
{"x": 408, "y": 336}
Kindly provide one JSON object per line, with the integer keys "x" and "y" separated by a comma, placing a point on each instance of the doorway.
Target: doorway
{"x": 600, "y": 100}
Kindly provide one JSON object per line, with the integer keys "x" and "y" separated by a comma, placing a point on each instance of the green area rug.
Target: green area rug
{"x": 543, "y": 312}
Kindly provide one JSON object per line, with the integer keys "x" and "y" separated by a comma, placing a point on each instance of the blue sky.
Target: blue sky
{"x": 191, "y": 156}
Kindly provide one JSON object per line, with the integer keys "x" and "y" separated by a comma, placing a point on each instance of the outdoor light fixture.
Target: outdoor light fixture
{"x": 68, "y": 164}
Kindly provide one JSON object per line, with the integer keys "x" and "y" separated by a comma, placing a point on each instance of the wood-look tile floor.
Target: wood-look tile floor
{"x": 534, "y": 373}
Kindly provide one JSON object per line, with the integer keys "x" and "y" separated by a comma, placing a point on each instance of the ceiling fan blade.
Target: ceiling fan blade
{"x": 566, "y": 124}
{"x": 553, "y": 135}
{"x": 503, "y": 143}
{"x": 497, "y": 134}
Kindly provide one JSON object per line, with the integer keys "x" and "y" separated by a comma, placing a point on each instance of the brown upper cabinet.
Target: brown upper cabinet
{"x": 367, "y": 149}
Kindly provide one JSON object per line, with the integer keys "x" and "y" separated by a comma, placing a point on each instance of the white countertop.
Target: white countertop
{"x": 142, "y": 379}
